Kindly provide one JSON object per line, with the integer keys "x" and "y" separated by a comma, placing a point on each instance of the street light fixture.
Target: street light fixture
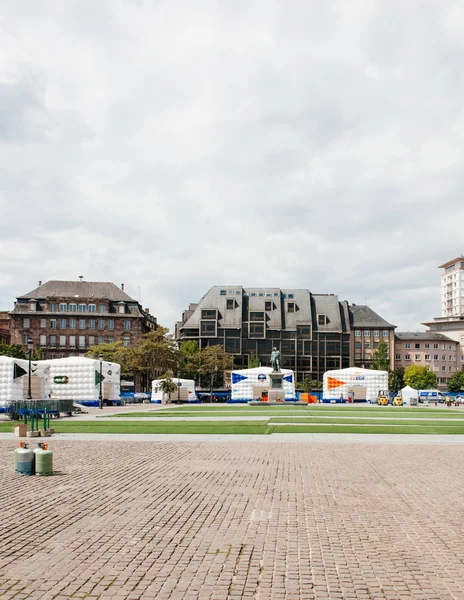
{"x": 178, "y": 387}
{"x": 100, "y": 396}
{"x": 30, "y": 346}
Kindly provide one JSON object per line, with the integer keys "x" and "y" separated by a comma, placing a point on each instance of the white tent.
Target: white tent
{"x": 248, "y": 384}
{"x": 362, "y": 384}
{"x": 409, "y": 395}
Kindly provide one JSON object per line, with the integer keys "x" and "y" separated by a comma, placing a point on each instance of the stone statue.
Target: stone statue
{"x": 275, "y": 360}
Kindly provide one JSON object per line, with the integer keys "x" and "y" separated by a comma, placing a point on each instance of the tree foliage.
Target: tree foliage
{"x": 13, "y": 350}
{"x": 156, "y": 351}
{"x": 419, "y": 378}
{"x": 188, "y": 359}
{"x": 167, "y": 385}
{"x": 213, "y": 361}
{"x": 253, "y": 361}
{"x": 381, "y": 360}
{"x": 396, "y": 380}
{"x": 307, "y": 385}
{"x": 456, "y": 382}
{"x": 114, "y": 352}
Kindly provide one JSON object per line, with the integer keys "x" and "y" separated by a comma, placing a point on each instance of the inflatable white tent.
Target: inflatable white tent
{"x": 14, "y": 379}
{"x": 248, "y": 384}
{"x": 78, "y": 378}
{"x": 185, "y": 391}
{"x": 360, "y": 384}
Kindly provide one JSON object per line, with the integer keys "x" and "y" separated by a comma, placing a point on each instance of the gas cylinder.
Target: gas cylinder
{"x": 43, "y": 460}
{"x": 21, "y": 444}
{"x": 24, "y": 458}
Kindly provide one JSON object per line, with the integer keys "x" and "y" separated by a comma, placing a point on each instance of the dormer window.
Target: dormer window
{"x": 121, "y": 308}
{"x": 322, "y": 319}
{"x": 290, "y": 307}
{"x": 33, "y": 305}
{"x": 268, "y": 305}
{"x": 230, "y": 304}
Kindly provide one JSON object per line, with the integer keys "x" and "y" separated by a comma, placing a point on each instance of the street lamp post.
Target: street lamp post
{"x": 178, "y": 387}
{"x": 30, "y": 346}
{"x": 100, "y": 396}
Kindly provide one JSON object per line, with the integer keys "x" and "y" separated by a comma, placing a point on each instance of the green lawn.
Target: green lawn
{"x": 401, "y": 429}
{"x": 354, "y": 421}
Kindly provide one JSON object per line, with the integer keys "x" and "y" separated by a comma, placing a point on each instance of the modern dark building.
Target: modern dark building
{"x": 312, "y": 331}
{"x": 66, "y": 318}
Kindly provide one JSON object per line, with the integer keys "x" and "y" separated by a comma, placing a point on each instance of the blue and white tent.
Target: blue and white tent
{"x": 247, "y": 384}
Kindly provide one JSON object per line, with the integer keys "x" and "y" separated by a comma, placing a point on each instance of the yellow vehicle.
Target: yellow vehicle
{"x": 397, "y": 401}
{"x": 383, "y": 398}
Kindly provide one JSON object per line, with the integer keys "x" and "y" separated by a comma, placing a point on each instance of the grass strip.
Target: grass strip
{"x": 388, "y": 429}
{"x": 356, "y": 421}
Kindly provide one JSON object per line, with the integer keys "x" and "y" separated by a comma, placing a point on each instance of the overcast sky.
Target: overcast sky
{"x": 176, "y": 145}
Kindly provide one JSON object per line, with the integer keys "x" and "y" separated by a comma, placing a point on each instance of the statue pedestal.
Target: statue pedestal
{"x": 276, "y": 389}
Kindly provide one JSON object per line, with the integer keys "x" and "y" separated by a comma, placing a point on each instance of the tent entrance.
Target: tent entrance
{"x": 259, "y": 390}
{"x": 358, "y": 393}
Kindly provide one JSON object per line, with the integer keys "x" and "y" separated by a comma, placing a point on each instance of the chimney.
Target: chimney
{"x": 81, "y": 278}
{"x": 147, "y": 310}
{"x": 122, "y": 286}
{"x": 40, "y": 283}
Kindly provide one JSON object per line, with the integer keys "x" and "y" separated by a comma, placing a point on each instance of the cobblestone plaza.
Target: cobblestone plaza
{"x": 200, "y": 520}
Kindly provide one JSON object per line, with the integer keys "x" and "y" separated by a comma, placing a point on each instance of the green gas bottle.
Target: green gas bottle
{"x": 43, "y": 460}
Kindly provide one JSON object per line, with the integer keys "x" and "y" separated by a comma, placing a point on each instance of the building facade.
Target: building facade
{"x": 312, "y": 331}
{"x": 368, "y": 329}
{"x": 434, "y": 350}
{"x": 452, "y": 288}
{"x": 4, "y": 327}
{"x": 66, "y": 318}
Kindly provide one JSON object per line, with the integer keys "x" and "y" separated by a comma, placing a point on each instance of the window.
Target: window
{"x": 73, "y": 308}
{"x": 82, "y": 307}
{"x": 385, "y": 333}
{"x": 63, "y": 307}
{"x": 256, "y": 330}
{"x": 52, "y": 355}
{"x": 321, "y": 319}
{"x": 127, "y": 325}
{"x": 232, "y": 345}
{"x": 417, "y": 346}
{"x": 376, "y": 344}
{"x": 208, "y": 328}
{"x": 268, "y": 305}
{"x": 427, "y": 346}
{"x": 397, "y": 356}
{"x": 256, "y": 316}
{"x": 43, "y": 323}
{"x": 435, "y": 357}
{"x": 450, "y": 357}
{"x": 223, "y": 292}
{"x": 126, "y": 340}
{"x": 62, "y": 323}
{"x": 43, "y": 341}
{"x": 260, "y": 293}
{"x": 450, "y": 368}
{"x": 208, "y": 314}
{"x": 230, "y": 292}
{"x": 450, "y": 347}
{"x": 303, "y": 331}
{"x": 435, "y": 346}
{"x": 102, "y": 308}
{"x": 367, "y": 344}
{"x": 367, "y": 333}
{"x": 101, "y": 325}
{"x": 101, "y": 339}
{"x": 407, "y": 357}
{"x": 33, "y": 306}
{"x": 427, "y": 357}
{"x": 72, "y": 323}
{"x": 82, "y": 341}
{"x": 121, "y": 308}
{"x": 443, "y": 368}
{"x": 92, "y": 308}
{"x": 110, "y": 340}
{"x": 290, "y": 307}
{"x": 443, "y": 357}
{"x": 357, "y": 333}
{"x": 25, "y": 338}
{"x": 91, "y": 340}
{"x": 417, "y": 357}
{"x": 53, "y": 341}
{"x": 52, "y": 307}
{"x": 407, "y": 346}
{"x": 26, "y": 322}
{"x": 52, "y": 323}
{"x": 62, "y": 341}
{"x": 357, "y": 344}
{"x": 81, "y": 323}
{"x": 110, "y": 324}
{"x": 376, "y": 333}
{"x": 230, "y": 303}
{"x": 91, "y": 323}
{"x": 443, "y": 347}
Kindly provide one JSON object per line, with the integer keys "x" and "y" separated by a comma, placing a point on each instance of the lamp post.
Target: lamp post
{"x": 30, "y": 346}
{"x": 178, "y": 387}
{"x": 100, "y": 396}
{"x": 213, "y": 375}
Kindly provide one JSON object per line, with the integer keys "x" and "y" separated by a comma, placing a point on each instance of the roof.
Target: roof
{"x": 78, "y": 289}
{"x": 363, "y": 316}
{"x": 451, "y": 262}
{"x": 422, "y": 335}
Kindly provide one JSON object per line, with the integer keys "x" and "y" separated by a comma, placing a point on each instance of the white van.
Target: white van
{"x": 431, "y": 396}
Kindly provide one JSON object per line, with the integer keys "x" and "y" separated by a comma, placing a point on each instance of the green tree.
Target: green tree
{"x": 13, "y": 350}
{"x": 213, "y": 361}
{"x": 253, "y": 361}
{"x": 167, "y": 385}
{"x": 156, "y": 351}
{"x": 307, "y": 385}
{"x": 396, "y": 380}
{"x": 381, "y": 361}
{"x": 188, "y": 359}
{"x": 114, "y": 352}
{"x": 456, "y": 382}
{"x": 419, "y": 378}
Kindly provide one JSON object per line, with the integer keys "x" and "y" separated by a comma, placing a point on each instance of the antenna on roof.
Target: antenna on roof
{"x": 81, "y": 278}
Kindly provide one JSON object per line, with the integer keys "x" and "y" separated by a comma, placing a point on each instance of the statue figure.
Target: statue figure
{"x": 275, "y": 360}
